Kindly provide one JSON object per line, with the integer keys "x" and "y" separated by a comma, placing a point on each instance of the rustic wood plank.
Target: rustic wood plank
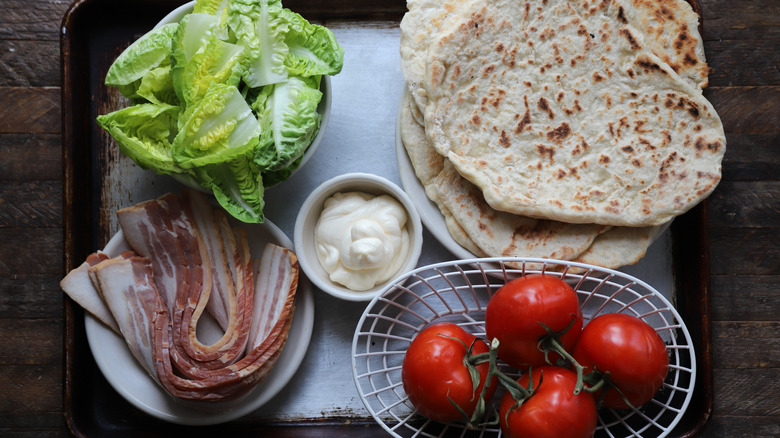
{"x": 31, "y": 251}
{"x": 31, "y": 296}
{"x": 747, "y": 110}
{"x": 31, "y": 341}
{"x": 31, "y": 388}
{"x": 745, "y": 297}
{"x": 752, "y": 157}
{"x": 30, "y": 110}
{"x": 32, "y": 63}
{"x": 751, "y": 344}
{"x": 32, "y": 19}
{"x": 747, "y": 392}
{"x": 745, "y": 204}
{"x": 728, "y": 58}
{"x": 50, "y": 424}
{"x": 745, "y": 251}
{"x": 33, "y": 204}
{"x": 745, "y": 20}
{"x": 741, "y": 426}
{"x": 30, "y": 157}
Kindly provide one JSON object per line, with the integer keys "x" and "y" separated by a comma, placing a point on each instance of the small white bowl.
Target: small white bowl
{"x": 310, "y": 213}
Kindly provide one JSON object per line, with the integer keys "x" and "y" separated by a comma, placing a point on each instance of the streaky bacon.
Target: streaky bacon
{"x": 164, "y": 231}
{"x": 188, "y": 259}
{"x": 274, "y": 271}
{"x": 128, "y": 289}
{"x": 233, "y": 270}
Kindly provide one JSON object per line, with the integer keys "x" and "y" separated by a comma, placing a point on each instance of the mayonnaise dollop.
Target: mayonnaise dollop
{"x": 361, "y": 239}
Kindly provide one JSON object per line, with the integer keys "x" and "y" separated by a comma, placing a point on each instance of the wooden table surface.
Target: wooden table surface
{"x": 742, "y": 42}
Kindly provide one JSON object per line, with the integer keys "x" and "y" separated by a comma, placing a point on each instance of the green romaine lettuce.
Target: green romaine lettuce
{"x": 217, "y": 8}
{"x": 238, "y": 187}
{"x": 200, "y": 58}
{"x": 157, "y": 86}
{"x": 150, "y": 51}
{"x": 220, "y": 127}
{"x": 312, "y": 49}
{"x": 227, "y": 98}
{"x": 144, "y": 133}
{"x": 290, "y": 109}
{"x": 260, "y": 28}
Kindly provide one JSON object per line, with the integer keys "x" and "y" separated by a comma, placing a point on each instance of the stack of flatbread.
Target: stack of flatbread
{"x": 564, "y": 129}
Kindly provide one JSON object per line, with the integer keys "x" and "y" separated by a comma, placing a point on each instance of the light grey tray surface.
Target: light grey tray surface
{"x": 359, "y": 138}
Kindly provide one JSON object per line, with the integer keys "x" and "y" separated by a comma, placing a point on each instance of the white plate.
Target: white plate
{"x": 429, "y": 213}
{"x": 132, "y": 382}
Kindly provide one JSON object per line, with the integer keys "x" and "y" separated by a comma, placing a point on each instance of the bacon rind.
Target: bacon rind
{"x": 78, "y": 285}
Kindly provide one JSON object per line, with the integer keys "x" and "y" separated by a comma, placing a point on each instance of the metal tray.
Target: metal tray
{"x": 322, "y": 399}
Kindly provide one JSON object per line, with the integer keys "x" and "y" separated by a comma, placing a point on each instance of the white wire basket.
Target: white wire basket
{"x": 459, "y": 291}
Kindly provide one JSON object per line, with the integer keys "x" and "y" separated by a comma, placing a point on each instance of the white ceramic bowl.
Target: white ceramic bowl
{"x": 323, "y": 108}
{"x": 310, "y": 212}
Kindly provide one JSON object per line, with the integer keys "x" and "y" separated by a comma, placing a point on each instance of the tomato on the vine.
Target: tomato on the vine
{"x": 435, "y": 375}
{"x": 552, "y": 411}
{"x": 630, "y": 350}
{"x": 519, "y": 311}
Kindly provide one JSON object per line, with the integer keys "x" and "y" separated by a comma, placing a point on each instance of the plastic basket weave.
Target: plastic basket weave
{"x": 459, "y": 291}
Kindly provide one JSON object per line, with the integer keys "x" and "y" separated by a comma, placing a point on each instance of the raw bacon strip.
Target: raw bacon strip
{"x": 162, "y": 231}
{"x": 274, "y": 272}
{"x": 222, "y": 279}
{"x": 234, "y": 271}
{"x": 236, "y": 379}
{"x": 78, "y": 285}
{"x": 127, "y": 287}
{"x": 159, "y": 295}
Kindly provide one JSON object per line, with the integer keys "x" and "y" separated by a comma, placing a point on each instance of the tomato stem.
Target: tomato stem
{"x": 551, "y": 342}
{"x": 518, "y": 392}
{"x": 470, "y": 361}
{"x": 601, "y": 379}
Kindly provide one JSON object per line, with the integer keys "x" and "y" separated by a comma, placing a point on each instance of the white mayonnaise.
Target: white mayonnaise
{"x": 361, "y": 239}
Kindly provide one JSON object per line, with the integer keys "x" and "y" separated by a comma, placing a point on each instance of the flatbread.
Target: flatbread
{"x": 424, "y": 21}
{"x": 671, "y": 32}
{"x": 561, "y": 112}
{"x": 503, "y": 234}
{"x": 509, "y": 235}
{"x": 620, "y": 246}
{"x": 498, "y": 233}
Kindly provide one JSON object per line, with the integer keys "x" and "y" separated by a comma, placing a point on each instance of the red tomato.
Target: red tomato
{"x": 553, "y": 411}
{"x": 434, "y": 375}
{"x": 515, "y": 312}
{"x": 630, "y": 350}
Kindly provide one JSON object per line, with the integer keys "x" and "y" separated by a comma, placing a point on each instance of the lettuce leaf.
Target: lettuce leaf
{"x": 157, "y": 87}
{"x": 200, "y": 58}
{"x": 144, "y": 133}
{"x": 312, "y": 49}
{"x": 227, "y": 97}
{"x": 290, "y": 110}
{"x": 260, "y": 27}
{"x": 220, "y": 127}
{"x": 150, "y": 51}
{"x": 238, "y": 187}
